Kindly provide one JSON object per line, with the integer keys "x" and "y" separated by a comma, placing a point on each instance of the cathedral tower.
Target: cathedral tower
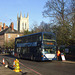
{"x": 22, "y": 23}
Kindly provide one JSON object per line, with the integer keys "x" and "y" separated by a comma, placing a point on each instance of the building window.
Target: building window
{"x": 8, "y": 35}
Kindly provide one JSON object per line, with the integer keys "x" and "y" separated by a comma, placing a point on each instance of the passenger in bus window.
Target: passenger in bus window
{"x": 46, "y": 51}
{"x": 50, "y": 50}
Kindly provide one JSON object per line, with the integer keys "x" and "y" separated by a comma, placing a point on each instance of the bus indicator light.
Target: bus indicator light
{"x": 48, "y": 43}
{"x": 42, "y": 56}
{"x": 51, "y": 43}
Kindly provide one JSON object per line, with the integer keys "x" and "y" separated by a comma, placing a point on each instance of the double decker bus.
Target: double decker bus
{"x": 38, "y": 46}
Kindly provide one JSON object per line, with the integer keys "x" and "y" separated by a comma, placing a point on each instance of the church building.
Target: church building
{"x": 22, "y": 23}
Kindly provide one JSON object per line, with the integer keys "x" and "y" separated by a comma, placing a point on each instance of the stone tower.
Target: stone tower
{"x": 22, "y": 23}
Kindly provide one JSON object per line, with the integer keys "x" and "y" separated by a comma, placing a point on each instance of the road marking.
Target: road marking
{"x": 31, "y": 69}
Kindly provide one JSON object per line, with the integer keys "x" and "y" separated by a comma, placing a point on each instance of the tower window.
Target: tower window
{"x": 22, "y": 25}
{"x": 25, "y": 25}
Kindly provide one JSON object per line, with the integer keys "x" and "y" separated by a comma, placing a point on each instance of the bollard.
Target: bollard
{"x": 17, "y": 67}
{"x": 3, "y": 62}
{"x": 63, "y": 57}
{"x": 14, "y": 63}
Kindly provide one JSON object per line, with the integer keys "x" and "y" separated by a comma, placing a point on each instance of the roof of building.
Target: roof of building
{"x": 9, "y": 30}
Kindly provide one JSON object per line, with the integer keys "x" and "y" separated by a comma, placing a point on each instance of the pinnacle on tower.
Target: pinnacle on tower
{"x": 27, "y": 15}
{"x": 17, "y": 16}
{"x": 24, "y": 15}
{"x": 20, "y": 15}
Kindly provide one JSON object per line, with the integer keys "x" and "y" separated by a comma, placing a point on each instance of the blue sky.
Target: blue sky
{"x": 10, "y": 8}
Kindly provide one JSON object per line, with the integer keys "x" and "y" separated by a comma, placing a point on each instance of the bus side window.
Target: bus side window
{"x": 40, "y": 38}
{"x": 38, "y": 50}
{"x": 33, "y": 39}
{"x": 26, "y": 39}
{"x": 29, "y": 39}
{"x": 23, "y": 51}
{"x": 18, "y": 50}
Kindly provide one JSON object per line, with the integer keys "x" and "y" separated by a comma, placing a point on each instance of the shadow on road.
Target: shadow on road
{"x": 27, "y": 59}
{"x": 9, "y": 56}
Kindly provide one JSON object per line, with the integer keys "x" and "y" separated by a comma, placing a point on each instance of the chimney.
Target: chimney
{"x": 0, "y": 26}
{"x": 12, "y": 26}
{"x": 3, "y": 25}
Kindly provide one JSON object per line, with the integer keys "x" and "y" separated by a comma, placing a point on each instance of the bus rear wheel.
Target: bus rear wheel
{"x": 18, "y": 56}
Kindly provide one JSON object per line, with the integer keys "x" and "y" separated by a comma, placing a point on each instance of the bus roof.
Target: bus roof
{"x": 35, "y": 33}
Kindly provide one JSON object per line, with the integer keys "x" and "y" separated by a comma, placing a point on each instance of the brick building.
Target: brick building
{"x": 8, "y": 34}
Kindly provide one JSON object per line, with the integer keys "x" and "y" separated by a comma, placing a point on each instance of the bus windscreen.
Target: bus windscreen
{"x": 49, "y": 50}
{"x": 48, "y": 36}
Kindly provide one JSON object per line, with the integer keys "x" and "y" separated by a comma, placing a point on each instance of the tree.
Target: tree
{"x": 42, "y": 27}
{"x": 71, "y": 16}
{"x": 55, "y": 9}
{"x": 63, "y": 34}
{"x": 72, "y": 12}
{"x": 58, "y": 10}
{"x": 34, "y": 29}
{"x": 10, "y": 44}
{"x": 27, "y": 32}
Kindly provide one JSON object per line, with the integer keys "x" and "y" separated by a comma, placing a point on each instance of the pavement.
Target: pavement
{"x": 25, "y": 71}
{"x": 71, "y": 62}
{"x": 9, "y": 71}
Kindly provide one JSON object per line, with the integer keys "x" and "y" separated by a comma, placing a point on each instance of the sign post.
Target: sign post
{"x": 63, "y": 57}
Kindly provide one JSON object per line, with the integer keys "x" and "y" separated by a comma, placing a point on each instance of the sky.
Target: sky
{"x": 10, "y": 8}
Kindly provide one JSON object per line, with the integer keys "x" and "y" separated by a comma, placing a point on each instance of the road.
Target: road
{"x": 47, "y": 67}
